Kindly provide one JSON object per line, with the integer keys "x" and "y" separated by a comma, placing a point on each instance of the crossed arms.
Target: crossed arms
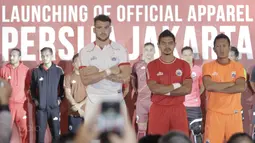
{"x": 224, "y": 87}
{"x": 184, "y": 89}
{"x": 91, "y": 74}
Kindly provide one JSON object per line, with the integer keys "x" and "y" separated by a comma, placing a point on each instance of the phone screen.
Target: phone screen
{"x": 110, "y": 120}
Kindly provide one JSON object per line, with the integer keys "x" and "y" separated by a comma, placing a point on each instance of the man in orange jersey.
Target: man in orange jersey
{"x": 224, "y": 81}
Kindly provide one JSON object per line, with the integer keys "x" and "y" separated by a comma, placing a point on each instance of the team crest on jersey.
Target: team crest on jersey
{"x": 193, "y": 75}
{"x": 93, "y": 58}
{"x": 178, "y": 72}
{"x": 9, "y": 77}
{"x": 233, "y": 74}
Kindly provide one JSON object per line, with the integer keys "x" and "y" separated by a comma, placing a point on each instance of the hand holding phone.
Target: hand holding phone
{"x": 110, "y": 120}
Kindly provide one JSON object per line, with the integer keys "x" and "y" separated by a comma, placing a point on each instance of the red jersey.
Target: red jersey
{"x": 166, "y": 74}
{"x": 19, "y": 79}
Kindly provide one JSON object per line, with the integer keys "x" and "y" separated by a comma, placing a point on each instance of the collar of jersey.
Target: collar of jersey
{"x": 110, "y": 42}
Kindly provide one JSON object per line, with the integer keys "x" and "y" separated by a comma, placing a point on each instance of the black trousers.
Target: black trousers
{"x": 74, "y": 122}
{"x": 53, "y": 119}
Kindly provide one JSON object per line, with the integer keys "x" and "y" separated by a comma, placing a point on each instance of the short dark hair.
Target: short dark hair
{"x": 150, "y": 139}
{"x": 103, "y": 18}
{"x": 174, "y": 137}
{"x": 166, "y": 33}
{"x": 47, "y": 48}
{"x": 235, "y": 138}
{"x": 16, "y": 49}
{"x": 187, "y": 48}
{"x": 235, "y": 50}
{"x": 221, "y": 36}
{"x": 149, "y": 43}
{"x": 75, "y": 56}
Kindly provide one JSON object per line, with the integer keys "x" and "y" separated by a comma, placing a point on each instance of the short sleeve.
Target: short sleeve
{"x": 205, "y": 70}
{"x": 151, "y": 73}
{"x": 240, "y": 71}
{"x": 253, "y": 75}
{"x": 186, "y": 71}
{"x": 84, "y": 57}
{"x": 123, "y": 56}
{"x": 67, "y": 83}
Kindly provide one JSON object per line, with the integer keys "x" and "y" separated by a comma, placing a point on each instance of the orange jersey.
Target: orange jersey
{"x": 223, "y": 102}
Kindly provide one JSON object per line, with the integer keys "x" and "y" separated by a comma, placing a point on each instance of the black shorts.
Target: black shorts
{"x": 193, "y": 113}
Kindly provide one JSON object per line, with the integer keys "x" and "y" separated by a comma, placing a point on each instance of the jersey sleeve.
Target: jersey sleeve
{"x": 84, "y": 58}
{"x": 67, "y": 83}
{"x": 123, "y": 57}
{"x": 240, "y": 71}
{"x": 205, "y": 70}
{"x": 253, "y": 75}
{"x": 151, "y": 73}
{"x": 186, "y": 71}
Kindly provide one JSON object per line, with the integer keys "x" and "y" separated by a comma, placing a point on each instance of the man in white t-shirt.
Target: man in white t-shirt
{"x": 104, "y": 67}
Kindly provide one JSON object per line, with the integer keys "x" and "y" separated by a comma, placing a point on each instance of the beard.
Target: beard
{"x": 103, "y": 40}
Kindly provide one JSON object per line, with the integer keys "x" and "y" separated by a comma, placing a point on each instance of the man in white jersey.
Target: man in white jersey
{"x": 105, "y": 67}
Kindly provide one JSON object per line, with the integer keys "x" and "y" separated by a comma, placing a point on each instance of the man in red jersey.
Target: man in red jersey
{"x": 16, "y": 73}
{"x": 169, "y": 81}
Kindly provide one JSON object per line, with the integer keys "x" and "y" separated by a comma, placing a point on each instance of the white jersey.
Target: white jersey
{"x": 111, "y": 55}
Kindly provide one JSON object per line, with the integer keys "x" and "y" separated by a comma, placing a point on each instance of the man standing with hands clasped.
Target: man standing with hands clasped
{"x": 47, "y": 92}
{"x": 76, "y": 96}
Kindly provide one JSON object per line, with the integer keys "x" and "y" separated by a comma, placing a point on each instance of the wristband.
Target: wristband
{"x": 168, "y": 94}
{"x": 108, "y": 72}
{"x": 176, "y": 85}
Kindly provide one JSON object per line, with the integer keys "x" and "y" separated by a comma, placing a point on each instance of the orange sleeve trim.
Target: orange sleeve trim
{"x": 81, "y": 67}
{"x": 121, "y": 64}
